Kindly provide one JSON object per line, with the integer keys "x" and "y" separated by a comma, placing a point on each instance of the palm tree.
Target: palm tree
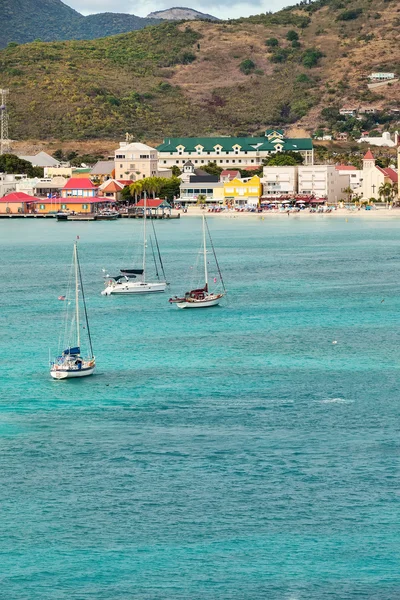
{"x": 385, "y": 191}
{"x": 136, "y": 189}
{"x": 349, "y": 193}
{"x": 395, "y": 192}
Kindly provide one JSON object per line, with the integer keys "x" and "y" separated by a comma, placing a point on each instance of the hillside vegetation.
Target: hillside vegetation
{"x": 27, "y": 20}
{"x": 202, "y": 78}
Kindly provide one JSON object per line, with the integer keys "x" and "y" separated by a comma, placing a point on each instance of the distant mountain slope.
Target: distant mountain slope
{"x": 178, "y": 14}
{"x": 50, "y": 20}
{"x": 201, "y": 78}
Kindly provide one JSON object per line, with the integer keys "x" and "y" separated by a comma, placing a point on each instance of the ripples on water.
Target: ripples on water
{"x": 234, "y": 453}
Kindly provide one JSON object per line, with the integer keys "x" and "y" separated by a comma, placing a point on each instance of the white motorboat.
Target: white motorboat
{"x": 127, "y": 283}
{"x": 202, "y": 297}
{"x": 70, "y": 363}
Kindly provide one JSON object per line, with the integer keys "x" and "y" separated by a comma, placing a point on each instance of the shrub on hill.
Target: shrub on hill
{"x": 349, "y": 15}
{"x": 272, "y": 42}
{"x": 292, "y": 35}
{"x": 247, "y": 66}
{"x": 311, "y": 57}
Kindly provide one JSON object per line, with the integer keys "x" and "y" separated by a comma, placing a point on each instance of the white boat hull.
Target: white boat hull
{"x": 70, "y": 373}
{"x": 135, "y": 287}
{"x": 200, "y": 303}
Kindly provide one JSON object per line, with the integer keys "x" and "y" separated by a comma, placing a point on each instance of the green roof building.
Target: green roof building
{"x": 239, "y": 152}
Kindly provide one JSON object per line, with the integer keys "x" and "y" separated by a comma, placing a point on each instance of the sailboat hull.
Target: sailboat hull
{"x": 134, "y": 287}
{"x": 206, "y": 303}
{"x": 71, "y": 373}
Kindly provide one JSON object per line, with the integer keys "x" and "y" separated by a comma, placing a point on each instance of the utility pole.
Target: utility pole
{"x": 4, "y": 139}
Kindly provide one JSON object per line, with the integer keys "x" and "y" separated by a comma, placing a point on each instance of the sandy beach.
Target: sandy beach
{"x": 379, "y": 213}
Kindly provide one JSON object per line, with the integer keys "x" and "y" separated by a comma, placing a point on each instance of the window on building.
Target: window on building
{"x": 227, "y": 160}
{"x": 85, "y": 206}
{"x": 144, "y": 156}
{"x": 209, "y": 191}
{"x": 165, "y": 162}
{"x": 240, "y": 160}
{"x": 252, "y": 160}
{"x": 63, "y": 206}
{"x": 121, "y": 166}
{"x": 203, "y": 191}
{"x": 190, "y": 191}
{"x": 196, "y": 161}
{"x": 233, "y": 160}
{"x": 202, "y": 161}
{"x": 120, "y": 156}
{"x": 177, "y": 162}
{"x": 132, "y": 166}
{"x": 42, "y": 207}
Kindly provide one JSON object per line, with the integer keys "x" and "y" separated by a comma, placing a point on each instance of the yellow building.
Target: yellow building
{"x": 240, "y": 192}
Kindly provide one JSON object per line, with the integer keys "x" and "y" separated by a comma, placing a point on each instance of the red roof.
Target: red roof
{"x": 150, "y": 203}
{"x": 125, "y": 181}
{"x": 251, "y": 168}
{"x": 18, "y": 197}
{"x": 390, "y": 173}
{"x": 345, "y": 168}
{"x": 79, "y": 183}
{"x": 369, "y": 155}
{"x": 231, "y": 173}
{"x": 113, "y": 186}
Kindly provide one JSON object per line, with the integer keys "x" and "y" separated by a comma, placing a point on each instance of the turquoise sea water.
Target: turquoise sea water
{"x": 230, "y": 453}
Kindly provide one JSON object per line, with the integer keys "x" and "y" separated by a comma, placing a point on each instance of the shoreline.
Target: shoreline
{"x": 379, "y": 213}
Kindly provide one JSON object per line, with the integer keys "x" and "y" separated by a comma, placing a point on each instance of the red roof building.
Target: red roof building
{"x": 228, "y": 175}
{"x": 18, "y": 197}
{"x": 79, "y": 187}
{"x": 345, "y": 168}
{"x": 389, "y": 173}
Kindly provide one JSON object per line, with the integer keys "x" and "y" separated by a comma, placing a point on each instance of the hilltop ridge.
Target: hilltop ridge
{"x": 296, "y": 66}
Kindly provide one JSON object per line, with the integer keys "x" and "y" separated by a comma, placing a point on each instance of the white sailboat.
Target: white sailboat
{"x": 125, "y": 282}
{"x": 70, "y": 363}
{"x": 202, "y": 297}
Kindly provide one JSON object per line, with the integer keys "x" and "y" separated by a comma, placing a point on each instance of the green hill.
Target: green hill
{"x": 27, "y": 20}
{"x": 201, "y": 78}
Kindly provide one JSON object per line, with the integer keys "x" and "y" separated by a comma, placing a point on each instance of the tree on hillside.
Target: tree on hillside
{"x": 247, "y": 66}
{"x": 292, "y": 35}
{"x": 10, "y": 163}
{"x": 272, "y": 42}
{"x": 284, "y": 159}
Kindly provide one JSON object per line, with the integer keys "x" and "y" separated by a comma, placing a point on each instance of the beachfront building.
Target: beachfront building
{"x": 16, "y": 203}
{"x": 279, "y": 181}
{"x": 355, "y": 175}
{"x": 231, "y": 152}
{"x": 322, "y": 181}
{"x": 243, "y": 192}
{"x": 197, "y": 186}
{"x": 229, "y": 174}
{"x": 77, "y": 205}
{"x": 374, "y": 177}
{"x": 79, "y": 187}
{"x": 384, "y": 140}
{"x": 135, "y": 161}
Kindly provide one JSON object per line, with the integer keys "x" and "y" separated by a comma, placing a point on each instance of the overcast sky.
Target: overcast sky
{"x": 224, "y": 9}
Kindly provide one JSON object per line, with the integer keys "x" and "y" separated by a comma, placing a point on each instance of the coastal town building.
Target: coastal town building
{"x": 355, "y": 175}
{"x": 9, "y": 182}
{"x": 78, "y": 205}
{"x": 79, "y": 187}
{"x": 41, "y": 186}
{"x": 103, "y": 170}
{"x": 243, "y": 192}
{"x": 322, "y": 181}
{"x": 374, "y": 176}
{"x": 135, "y": 161}
{"x": 279, "y": 181}
{"x": 41, "y": 159}
{"x": 16, "y": 203}
{"x": 197, "y": 185}
{"x": 231, "y": 152}
{"x": 381, "y": 76}
{"x": 228, "y": 175}
{"x": 58, "y": 171}
{"x": 384, "y": 140}
{"x": 111, "y": 189}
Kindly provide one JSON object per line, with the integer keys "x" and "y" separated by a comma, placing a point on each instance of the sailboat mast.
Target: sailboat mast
{"x": 144, "y": 238}
{"x": 205, "y": 254}
{"x": 78, "y": 334}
